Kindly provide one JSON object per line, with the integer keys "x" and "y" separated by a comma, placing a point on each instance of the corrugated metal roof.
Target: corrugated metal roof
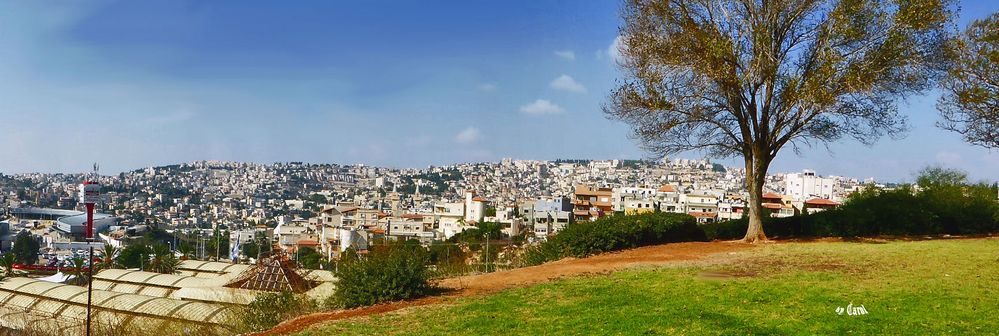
{"x": 197, "y": 268}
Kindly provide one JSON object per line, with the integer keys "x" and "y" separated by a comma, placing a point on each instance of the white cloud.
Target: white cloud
{"x": 568, "y": 55}
{"x": 566, "y": 83}
{"x": 487, "y": 87}
{"x": 468, "y": 135}
{"x": 541, "y": 106}
{"x": 614, "y": 50}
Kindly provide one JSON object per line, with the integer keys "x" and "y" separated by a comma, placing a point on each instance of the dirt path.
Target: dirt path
{"x": 493, "y": 282}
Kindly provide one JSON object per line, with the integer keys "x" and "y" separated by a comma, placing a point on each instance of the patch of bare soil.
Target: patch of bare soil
{"x": 603, "y": 263}
{"x": 492, "y": 282}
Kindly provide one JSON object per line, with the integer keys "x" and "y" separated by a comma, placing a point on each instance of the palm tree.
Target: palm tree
{"x": 163, "y": 260}
{"x": 109, "y": 257}
{"x": 7, "y": 261}
{"x": 79, "y": 276}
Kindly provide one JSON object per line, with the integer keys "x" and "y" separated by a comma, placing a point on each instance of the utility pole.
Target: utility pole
{"x": 90, "y": 284}
{"x": 90, "y": 194}
{"x": 218, "y": 243}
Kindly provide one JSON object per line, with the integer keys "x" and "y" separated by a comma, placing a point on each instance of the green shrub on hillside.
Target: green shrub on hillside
{"x": 613, "y": 233}
{"x": 395, "y": 272}
{"x": 269, "y": 309}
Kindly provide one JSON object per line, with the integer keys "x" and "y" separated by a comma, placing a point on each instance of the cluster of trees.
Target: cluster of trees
{"x": 746, "y": 79}
{"x": 25, "y": 249}
{"x": 434, "y": 183}
{"x": 146, "y": 256}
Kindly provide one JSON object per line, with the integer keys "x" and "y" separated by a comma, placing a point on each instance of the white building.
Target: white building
{"x": 450, "y": 218}
{"x": 475, "y": 207}
{"x": 806, "y": 185}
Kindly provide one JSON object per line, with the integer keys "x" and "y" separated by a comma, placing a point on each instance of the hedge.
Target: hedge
{"x": 613, "y": 233}
{"x": 954, "y": 210}
{"x": 934, "y": 210}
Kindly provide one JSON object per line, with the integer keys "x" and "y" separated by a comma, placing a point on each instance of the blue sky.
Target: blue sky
{"x": 132, "y": 84}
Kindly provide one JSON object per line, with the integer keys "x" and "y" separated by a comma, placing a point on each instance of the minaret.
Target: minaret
{"x": 417, "y": 199}
{"x": 394, "y": 200}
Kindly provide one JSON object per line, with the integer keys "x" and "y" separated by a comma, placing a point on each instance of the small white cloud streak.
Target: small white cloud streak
{"x": 541, "y": 107}
{"x": 468, "y": 135}
{"x": 568, "y": 55}
{"x": 566, "y": 83}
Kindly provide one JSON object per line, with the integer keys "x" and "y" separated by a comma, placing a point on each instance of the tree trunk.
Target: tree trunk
{"x": 756, "y": 175}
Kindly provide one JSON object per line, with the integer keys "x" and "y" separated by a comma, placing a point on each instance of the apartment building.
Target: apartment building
{"x": 807, "y": 185}
{"x": 591, "y": 203}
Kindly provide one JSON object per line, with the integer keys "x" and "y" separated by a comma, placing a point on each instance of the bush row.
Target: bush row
{"x": 955, "y": 210}
{"x": 612, "y": 233}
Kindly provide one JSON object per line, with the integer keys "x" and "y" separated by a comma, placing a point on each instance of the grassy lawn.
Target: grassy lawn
{"x": 926, "y": 287}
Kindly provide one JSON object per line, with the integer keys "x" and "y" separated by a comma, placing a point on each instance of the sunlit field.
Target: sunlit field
{"x": 922, "y": 287}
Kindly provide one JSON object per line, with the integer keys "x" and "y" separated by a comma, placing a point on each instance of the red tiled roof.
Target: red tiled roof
{"x": 821, "y": 201}
{"x": 772, "y": 195}
{"x": 775, "y": 206}
{"x": 702, "y": 214}
{"x": 412, "y": 216}
{"x": 667, "y": 188}
{"x": 308, "y": 242}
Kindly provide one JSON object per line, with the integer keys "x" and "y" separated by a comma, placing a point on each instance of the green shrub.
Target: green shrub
{"x": 269, "y": 309}
{"x": 613, "y": 233}
{"x": 387, "y": 274}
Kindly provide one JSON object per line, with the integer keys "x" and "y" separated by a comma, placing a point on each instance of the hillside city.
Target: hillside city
{"x": 358, "y": 168}
{"x": 299, "y": 204}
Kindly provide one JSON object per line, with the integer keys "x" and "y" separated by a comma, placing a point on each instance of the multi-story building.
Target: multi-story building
{"x": 669, "y": 199}
{"x": 622, "y": 195}
{"x": 591, "y": 203}
{"x": 806, "y": 185}
{"x": 778, "y": 205}
{"x": 552, "y": 212}
{"x": 450, "y": 218}
{"x": 704, "y": 207}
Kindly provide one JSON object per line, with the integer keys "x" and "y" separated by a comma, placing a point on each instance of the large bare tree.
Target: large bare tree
{"x": 970, "y": 100}
{"x": 746, "y": 78}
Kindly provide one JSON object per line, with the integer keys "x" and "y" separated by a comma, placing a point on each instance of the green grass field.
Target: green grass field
{"x": 925, "y": 287}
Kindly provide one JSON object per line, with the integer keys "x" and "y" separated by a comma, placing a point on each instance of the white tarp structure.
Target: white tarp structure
{"x": 58, "y": 278}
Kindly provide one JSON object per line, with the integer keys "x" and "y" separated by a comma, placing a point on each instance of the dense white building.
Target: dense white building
{"x": 806, "y": 185}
